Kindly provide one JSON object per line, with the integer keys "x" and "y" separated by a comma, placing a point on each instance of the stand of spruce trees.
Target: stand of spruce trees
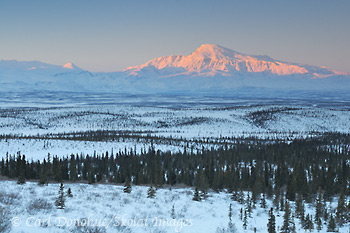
{"x": 312, "y": 170}
{"x": 301, "y": 168}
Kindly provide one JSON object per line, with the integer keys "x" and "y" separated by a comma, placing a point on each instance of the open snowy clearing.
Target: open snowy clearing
{"x": 106, "y": 208}
{"x": 263, "y": 121}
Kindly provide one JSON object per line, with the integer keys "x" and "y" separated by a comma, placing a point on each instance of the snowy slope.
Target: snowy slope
{"x": 216, "y": 70}
{"x": 110, "y": 210}
{"x": 35, "y": 75}
{"x": 211, "y": 60}
{"x": 210, "y": 69}
{"x": 284, "y": 122}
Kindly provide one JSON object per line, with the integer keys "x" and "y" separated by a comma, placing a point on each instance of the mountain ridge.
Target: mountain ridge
{"x": 210, "y": 69}
{"x": 211, "y": 60}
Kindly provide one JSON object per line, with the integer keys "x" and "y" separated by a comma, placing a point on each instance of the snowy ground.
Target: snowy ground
{"x": 191, "y": 122}
{"x": 32, "y": 209}
{"x": 185, "y": 122}
{"x": 38, "y": 149}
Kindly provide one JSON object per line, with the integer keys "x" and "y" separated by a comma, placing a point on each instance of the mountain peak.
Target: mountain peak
{"x": 212, "y": 47}
{"x": 70, "y": 66}
{"x": 209, "y": 47}
{"x": 215, "y": 52}
{"x": 212, "y": 60}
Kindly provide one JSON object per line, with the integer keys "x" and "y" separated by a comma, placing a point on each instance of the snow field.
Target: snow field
{"x": 106, "y": 208}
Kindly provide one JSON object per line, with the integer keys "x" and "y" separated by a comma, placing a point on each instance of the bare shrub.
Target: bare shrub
{"x": 230, "y": 229}
{"x": 188, "y": 192}
{"x": 39, "y": 205}
{"x": 8, "y": 198}
{"x": 114, "y": 195}
{"x": 158, "y": 231}
{"x": 93, "y": 196}
{"x": 96, "y": 195}
{"x": 88, "y": 229}
{"x": 5, "y": 225}
{"x": 123, "y": 229}
{"x": 32, "y": 191}
{"x": 137, "y": 195}
{"x": 126, "y": 201}
{"x": 175, "y": 197}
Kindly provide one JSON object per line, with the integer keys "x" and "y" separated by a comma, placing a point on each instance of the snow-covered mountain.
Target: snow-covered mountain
{"x": 210, "y": 69}
{"x": 14, "y": 65}
{"x": 212, "y": 60}
{"x": 37, "y": 76}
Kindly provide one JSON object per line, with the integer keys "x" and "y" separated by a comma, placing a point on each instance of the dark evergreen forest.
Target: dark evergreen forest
{"x": 310, "y": 170}
{"x": 301, "y": 167}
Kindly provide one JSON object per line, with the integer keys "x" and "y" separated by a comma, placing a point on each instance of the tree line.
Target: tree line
{"x": 312, "y": 170}
{"x": 301, "y": 167}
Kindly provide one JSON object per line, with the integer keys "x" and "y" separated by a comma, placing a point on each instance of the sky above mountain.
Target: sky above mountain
{"x": 111, "y": 35}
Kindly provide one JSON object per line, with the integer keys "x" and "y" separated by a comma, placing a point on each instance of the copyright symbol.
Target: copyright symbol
{"x": 16, "y": 221}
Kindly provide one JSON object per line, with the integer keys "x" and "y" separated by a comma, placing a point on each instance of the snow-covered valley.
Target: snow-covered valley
{"x": 31, "y": 130}
{"x": 36, "y": 127}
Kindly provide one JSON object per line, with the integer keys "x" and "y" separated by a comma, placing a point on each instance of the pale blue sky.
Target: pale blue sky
{"x": 109, "y": 35}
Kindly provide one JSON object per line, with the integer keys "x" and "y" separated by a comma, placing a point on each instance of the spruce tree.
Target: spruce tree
{"x": 173, "y": 215}
{"x": 21, "y": 179}
{"x": 230, "y": 213}
{"x": 234, "y": 195}
{"x": 230, "y": 226}
{"x": 72, "y": 168}
{"x": 151, "y": 193}
{"x": 43, "y": 178}
{"x": 331, "y": 224}
{"x": 127, "y": 186}
{"x": 341, "y": 209}
{"x": 21, "y": 163}
{"x": 196, "y": 196}
{"x": 271, "y": 225}
{"x": 318, "y": 224}
{"x": 276, "y": 200}
{"x": 60, "y": 201}
{"x": 287, "y": 226}
{"x": 308, "y": 223}
{"x": 292, "y": 224}
{"x": 263, "y": 201}
{"x": 249, "y": 204}
{"x": 319, "y": 212}
{"x": 348, "y": 212}
{"x": 202, "y": 183}
{"x": 69, "y": 193}
{"x": 282, "y": 202}
{"x": 91, "y": 176}
{"x": 56, "y": 169}
{"x": 240, "y": 197}
{"x": 291, "y": 189}
{"x": 299, "y": 208}
{"x": 245, "y": 220}
{"x": 325, "y": 215}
